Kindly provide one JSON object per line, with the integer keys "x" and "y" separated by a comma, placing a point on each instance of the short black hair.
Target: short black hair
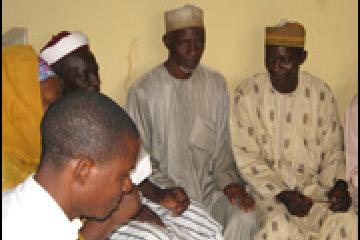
{"x": 84, "y": 124}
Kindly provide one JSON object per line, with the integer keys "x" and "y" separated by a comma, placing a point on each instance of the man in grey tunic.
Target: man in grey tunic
{"x": 181, "y": 109}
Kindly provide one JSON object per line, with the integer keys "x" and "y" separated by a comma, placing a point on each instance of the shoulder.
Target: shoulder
{"x": 251, "y": 84}
{"x": 150, "y": 78}
{"x": 354, "y": 102}
{"x": 11, "y": 207}
{"x": 318, "y": 86}
{"x": 315, "y": 82}
{"x": 211, "y": 73}
{"x": 148, "y": 83}
{"x": 211, "y": 77}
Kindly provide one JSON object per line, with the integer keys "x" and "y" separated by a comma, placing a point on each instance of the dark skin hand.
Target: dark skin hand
{"x": 238, "y": 195}
{"x": 147, "y": 215}
{"x": 296, "y": 203}
{"x": 174, "y": 199}
{"x": 339, "y": 197}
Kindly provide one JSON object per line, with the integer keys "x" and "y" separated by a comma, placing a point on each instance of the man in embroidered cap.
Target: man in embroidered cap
{"x": 287, "y": 142}
{"x": 69, "y": 56}
{"x": 181, "y": 109}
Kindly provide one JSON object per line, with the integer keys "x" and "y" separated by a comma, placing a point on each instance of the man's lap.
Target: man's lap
{"x": 194, "y": 223}
{"x": 223, "y": 211}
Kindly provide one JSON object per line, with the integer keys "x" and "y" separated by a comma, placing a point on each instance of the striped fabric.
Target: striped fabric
{"x": 193, "y": 224}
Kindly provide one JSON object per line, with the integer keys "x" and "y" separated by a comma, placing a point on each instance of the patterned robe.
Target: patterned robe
{"x": 290, "y": 141}
{"x": 351, "y": 147}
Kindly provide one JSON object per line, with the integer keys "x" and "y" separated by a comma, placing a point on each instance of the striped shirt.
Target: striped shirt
{"x": 193, "y": 224}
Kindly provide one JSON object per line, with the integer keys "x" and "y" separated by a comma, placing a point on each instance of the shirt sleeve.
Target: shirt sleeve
{"x": 330, "y": 137}
{"x": 225, "y": 168}
{"x": 255, "y": 170}
{"x": 138, "y": 110}
{"x": 351, "y": 142}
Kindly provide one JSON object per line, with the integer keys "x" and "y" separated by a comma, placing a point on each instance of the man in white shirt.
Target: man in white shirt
{"x": 89, "y": 146}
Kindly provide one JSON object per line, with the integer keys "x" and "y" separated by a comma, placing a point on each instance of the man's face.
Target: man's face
{"x": 111, "y": 180}
{"x": 283, "y": 63}
{"x": 79, "y": 70}
{"x": 186, "y": 46}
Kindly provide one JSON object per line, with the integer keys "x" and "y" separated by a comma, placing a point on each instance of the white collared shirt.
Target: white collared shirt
{"x": 29, "y": 212}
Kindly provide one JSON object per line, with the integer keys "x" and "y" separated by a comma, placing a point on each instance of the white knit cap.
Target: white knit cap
{"x": 64, "y": 46}
{"x": 143, "y": 168}
{"x": 184, "y": 17}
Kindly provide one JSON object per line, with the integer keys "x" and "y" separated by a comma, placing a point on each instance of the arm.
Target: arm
{"x": 332, "y": 162}
{"x": 332, "y": 157}
{"x": 224, "y": 167}
{"x": 226, "y": 176}
{"x": 351, "y": 145}
{"x": 158, "y": 188}
{"x": 137, "y": 107}
{"x": 253, "y": 168}
{"x": 150, "y": 191}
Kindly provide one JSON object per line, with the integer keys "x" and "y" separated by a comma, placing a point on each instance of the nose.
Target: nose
{"x": 277, "y": 65}
{"x": 95, "y": 80}
{"x": 192, "y": 49}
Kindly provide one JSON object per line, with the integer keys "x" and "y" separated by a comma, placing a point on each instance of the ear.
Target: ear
{"x": 303, "y": 56}
{"x": 166, "y": 40}
{"x": 82, "y": 168}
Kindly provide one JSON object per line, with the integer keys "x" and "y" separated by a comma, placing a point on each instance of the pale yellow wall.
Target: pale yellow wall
{"x": 126, "y": 35}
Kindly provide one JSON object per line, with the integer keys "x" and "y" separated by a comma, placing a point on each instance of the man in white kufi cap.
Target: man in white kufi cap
{"x": 181, "y": 109}
{"x": 70, "y": 50}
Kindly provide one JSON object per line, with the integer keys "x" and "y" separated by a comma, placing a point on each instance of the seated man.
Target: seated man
{"x": 89, "y": 145}
{"x": 287, "y": 143}
{"x": 68, "y": 54}
{"x": 77, "y": 69}
{"x": 181, "y": 109}
{"x": 351, "y": 149}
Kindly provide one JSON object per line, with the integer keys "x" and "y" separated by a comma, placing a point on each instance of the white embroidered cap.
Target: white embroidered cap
{"x": 63, "y": 47}
{"x": 184, "y": 17}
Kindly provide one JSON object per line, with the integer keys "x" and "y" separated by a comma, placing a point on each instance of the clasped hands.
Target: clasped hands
{"x": 238, "y": 195}
{"x": 299, "y": 205}
{"x": 174, "y": 199}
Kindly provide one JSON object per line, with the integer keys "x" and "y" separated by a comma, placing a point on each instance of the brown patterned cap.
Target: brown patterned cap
{"x": 288, "y": 34}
